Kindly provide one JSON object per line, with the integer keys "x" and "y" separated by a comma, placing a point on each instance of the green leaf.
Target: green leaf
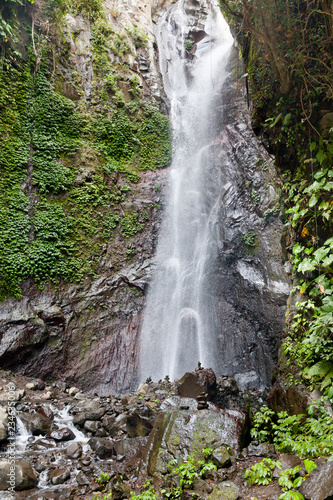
{"x": 306, "y": 265}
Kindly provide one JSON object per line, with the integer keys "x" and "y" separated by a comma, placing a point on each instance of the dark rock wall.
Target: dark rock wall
{"x": 87, "y": 334}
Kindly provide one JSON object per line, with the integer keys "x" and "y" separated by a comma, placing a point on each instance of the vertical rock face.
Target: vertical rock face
{"x": 88, "y": 334}
{"x": 219, "y": 291}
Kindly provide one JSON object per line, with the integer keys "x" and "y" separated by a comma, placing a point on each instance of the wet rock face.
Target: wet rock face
{"x": 88, "y": 334}
{"x": 181, "y": 432}
{"x": 319, "y": 485}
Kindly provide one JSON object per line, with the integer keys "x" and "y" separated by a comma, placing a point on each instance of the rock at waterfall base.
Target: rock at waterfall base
{"x": 24, "y": 477}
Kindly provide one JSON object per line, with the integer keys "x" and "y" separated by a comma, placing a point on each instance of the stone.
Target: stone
{"x": 287, "y": 462}
{"x": 108, "y": 424}
{"x": 247, "y": 380}
{"x": 64, "y": 434}
{"x": 192, "y": 384}
{"x": 224, "y": 491}
{"x": 92, "y": 425}
{"x": 45, "y": 411}
{"x": 90, "y": 414}
{"x": 319, "y": 484}
{"x": 31, "y": 386}
{"x": 36, "y": 424}
{"x": 47, "y": 395}
{"x": 3, "y": 424}
{"x": 291, "y": 399}
{"x": 180, "y": 432}
{"x": 43, "y": 444}
{"x": 261, "y": 450}
{"x": 73, "y": 391}
{"x": 103, "y": 447}
{"x": 221, "y": 457}
{"x": 59, "y": 476}
{"x": 142, "y": 389}
{"x": 74, "y": 450}
{"x": 129, "y": 447}
{"x": 20, "y": 475}
{"x": 137, "y": 426}
{"x": 82, "y": 479}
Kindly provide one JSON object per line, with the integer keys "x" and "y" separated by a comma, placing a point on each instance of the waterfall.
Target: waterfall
{"x": 178, "y": 327}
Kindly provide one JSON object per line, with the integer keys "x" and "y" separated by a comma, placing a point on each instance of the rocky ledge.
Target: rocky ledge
{"x": 65, "y": 444}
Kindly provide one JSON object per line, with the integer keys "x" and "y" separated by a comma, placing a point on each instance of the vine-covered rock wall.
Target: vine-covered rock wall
{"x": 84, "y": 137}
{"x": 287, "y": 48}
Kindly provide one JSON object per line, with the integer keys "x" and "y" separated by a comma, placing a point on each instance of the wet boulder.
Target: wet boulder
{"x": 224, "y": 491}
{"x": 63, "y": 434}
{"x": 261, "y": 450}
{"x": 103, "y": 447}
{"x": 319, "y": 485}
{"x": 90, "y": 414}
{"x": 92, "y": 425}
{"x": 180, "y": 432}
{"x": 19, "y": 476}
{"x": 36, "y": 423}
{"x": 74, "y": 450}
{"x": 129, "y": 447}
{"x": 194, "y": 383}
{"x": 138, "y": 426}
{"x": 222, "y": 457}
{"x": 59, "y": 476}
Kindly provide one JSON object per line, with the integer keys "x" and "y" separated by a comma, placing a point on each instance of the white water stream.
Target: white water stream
{"x": 177, "y": 329}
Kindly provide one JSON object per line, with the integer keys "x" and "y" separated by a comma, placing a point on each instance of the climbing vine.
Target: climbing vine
{"x": 66, "y": 170}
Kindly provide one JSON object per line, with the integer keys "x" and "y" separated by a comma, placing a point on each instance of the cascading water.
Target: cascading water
{"x": 178, "y": 327}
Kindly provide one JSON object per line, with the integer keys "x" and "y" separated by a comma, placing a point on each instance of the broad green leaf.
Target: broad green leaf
{"x": 306, "y": 265}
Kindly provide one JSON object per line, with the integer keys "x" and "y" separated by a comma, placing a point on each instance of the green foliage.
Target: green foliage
{"x": 140, "y": 39}
{"x": 92, "y": 9}
{"x": 188, "y": 44}
{"x": 262, "y": 472}
{"x": 192, "y": 468}
{"x": 249, "y": 239}
{"x": 102, "y": 479}
{"x": 64, "y": 172}
{"x": 146, "y": 495}
{"x": 303, "y": 435}
{"x": 130, "y": 225}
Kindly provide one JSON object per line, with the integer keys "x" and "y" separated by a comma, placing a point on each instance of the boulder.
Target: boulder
{"x": 291, "y": 399}
{"x": 221, "y": 457}
{"x": 261, "y": 450}
{"x": 91, "y": 414}
{"x": 45, "y": 411}
{"x": 19, "y": 475}
{"x": 319, "y": 485}
{"x": 194, "y": 383}
{"x": 103, "y": 447}
{"x": 36, "y": 423}
{"x": 73, "y": 391}
{"x": 3, "y": 424}
{"x": 108, "y": 424}
{"x": 92, "y": 425}
{"x": 59, "y": 476}
{"x": 142, "y": 390}
{"x": 224, "y": 491}
{"x": 129, "y": 447}
{"x": 138, "y": 426}
{"x": 180, "y": 432}
{"x": 74, "y": 450}
{"x": 287, "y": 462}
{"x": 64, "y": 434}
{"x": 43, "y": 444}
